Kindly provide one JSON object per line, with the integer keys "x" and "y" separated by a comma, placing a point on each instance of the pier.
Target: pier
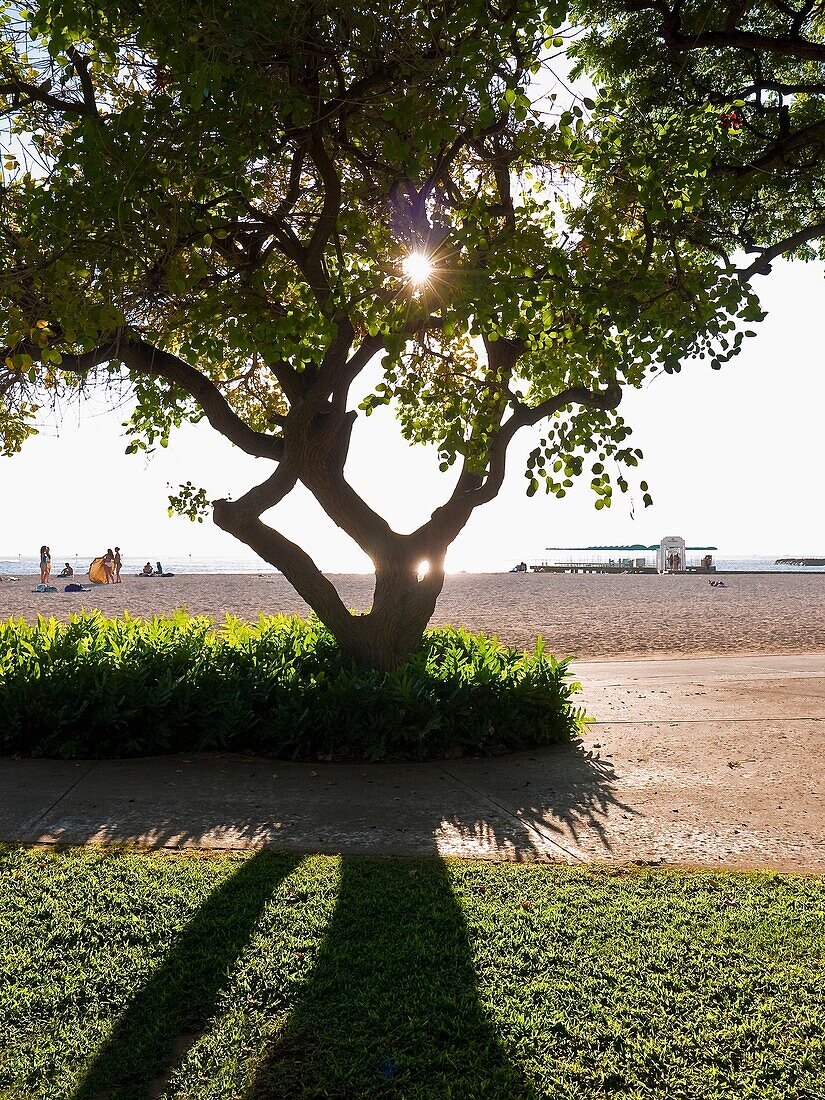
{"x": 594, "y": 567}
{"x": 671, "y": 557}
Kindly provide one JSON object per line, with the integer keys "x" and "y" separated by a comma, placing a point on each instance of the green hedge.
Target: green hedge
{"x": 97, "y": 687}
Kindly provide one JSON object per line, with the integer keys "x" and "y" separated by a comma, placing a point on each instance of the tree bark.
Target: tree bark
{"x": 402, "y": 606}
{"x": 382, "y": 638}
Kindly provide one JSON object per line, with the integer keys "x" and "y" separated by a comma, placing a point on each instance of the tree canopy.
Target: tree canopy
{"x": 761, "y": 66}
{"x": 235, "y": 207}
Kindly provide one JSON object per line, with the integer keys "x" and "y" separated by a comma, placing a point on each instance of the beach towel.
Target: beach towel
{"x": 44, "y": 588}
{"x": 74, "y": 588}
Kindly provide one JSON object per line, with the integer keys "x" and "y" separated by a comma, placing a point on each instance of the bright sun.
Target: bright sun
{"x": 417, "y": 267}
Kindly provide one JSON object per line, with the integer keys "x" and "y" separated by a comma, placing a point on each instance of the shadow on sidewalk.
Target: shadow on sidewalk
{"x": 532, "y": 804}
{"x": 545, "y": 802}
{"x": 392, "y": 1005}
{"x": 170, "y": 1012}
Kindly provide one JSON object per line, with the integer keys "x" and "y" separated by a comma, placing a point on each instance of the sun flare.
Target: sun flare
{"x": 418, "y": 268}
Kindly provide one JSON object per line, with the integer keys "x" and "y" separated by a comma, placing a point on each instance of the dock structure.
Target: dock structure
{"x": 670, "y": 554}
{"x": 591, "y": 567}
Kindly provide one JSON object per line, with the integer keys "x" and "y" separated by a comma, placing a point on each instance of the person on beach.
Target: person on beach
{"x": 118, "y": 565}
{"x": 109, "y": 565}
{"x": 45, "y": 564}
{"x": 66, "y": 571}
{"x": 147, "y": 569}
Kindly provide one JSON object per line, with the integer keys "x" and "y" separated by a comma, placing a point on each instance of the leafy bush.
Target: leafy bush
{"x": 126, "y": 687}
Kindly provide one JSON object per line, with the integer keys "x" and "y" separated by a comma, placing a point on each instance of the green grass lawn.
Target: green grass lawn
{"x": 127, "y": 974}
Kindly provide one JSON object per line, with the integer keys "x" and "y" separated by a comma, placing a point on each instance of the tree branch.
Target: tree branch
{"x": 339, "y": 384}
{"x": 525, "y": 416}
{"x": 731, "y": 37}
{"x": 39, "y": 93}
{"x": 264, "y": 496}
{"x": 327, "y": 220}
{"x": 296, "y": 565}
{"x": 143, "y": 358}
{"x": 81, "y": 66}
{"x": 473, "y": 490}
{"x": 783, "y": 45}
{"x": 348, "y": 510}
{"x": 799, "y": 139}
{"x": 762, "y": 265}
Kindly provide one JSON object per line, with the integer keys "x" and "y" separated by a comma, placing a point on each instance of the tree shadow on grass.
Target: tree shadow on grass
{"x": 392, "y": 1005}
{"x": 170, "y": 1012}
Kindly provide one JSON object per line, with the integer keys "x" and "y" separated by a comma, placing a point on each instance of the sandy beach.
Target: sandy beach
{"x": 590, "y": 616}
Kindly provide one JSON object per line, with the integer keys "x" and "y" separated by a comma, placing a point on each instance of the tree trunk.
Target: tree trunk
{"x": 402, "y": 606}
{"x": 384, "y": 637}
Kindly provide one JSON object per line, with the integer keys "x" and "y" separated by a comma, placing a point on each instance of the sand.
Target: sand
{"x": 590, "y": 616}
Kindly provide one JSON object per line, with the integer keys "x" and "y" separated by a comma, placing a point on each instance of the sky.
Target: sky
{"x": 733, "y": 458}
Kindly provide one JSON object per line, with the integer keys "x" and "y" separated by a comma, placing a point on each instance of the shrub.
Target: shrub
{"x": 97, "y": 687}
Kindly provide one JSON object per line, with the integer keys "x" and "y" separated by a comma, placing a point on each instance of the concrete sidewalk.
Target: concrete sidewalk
{"x": 709, "y": 761}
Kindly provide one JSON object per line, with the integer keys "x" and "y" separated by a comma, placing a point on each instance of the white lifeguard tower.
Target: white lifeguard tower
{"x": 671, "y": 556}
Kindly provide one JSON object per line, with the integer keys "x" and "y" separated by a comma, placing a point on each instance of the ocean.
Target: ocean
{"x": 189, "y": 563}
{"x": 131, "y": 565}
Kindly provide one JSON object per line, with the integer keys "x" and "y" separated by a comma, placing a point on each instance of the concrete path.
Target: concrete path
{"x": 714, "y": 762}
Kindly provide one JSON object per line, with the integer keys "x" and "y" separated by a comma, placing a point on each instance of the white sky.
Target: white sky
{"x": 733, "y": 458}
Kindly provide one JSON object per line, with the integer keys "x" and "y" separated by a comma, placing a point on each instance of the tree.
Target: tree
{"x": 761, "y": 66}
{"x": 236, "y": 207}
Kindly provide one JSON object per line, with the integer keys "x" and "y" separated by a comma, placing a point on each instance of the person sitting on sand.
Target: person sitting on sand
{"x": 66, "y": 571}
{"x": 147, "y": 569}
{"x": 159, "y": 570}
{"x": 109, "y": 565}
